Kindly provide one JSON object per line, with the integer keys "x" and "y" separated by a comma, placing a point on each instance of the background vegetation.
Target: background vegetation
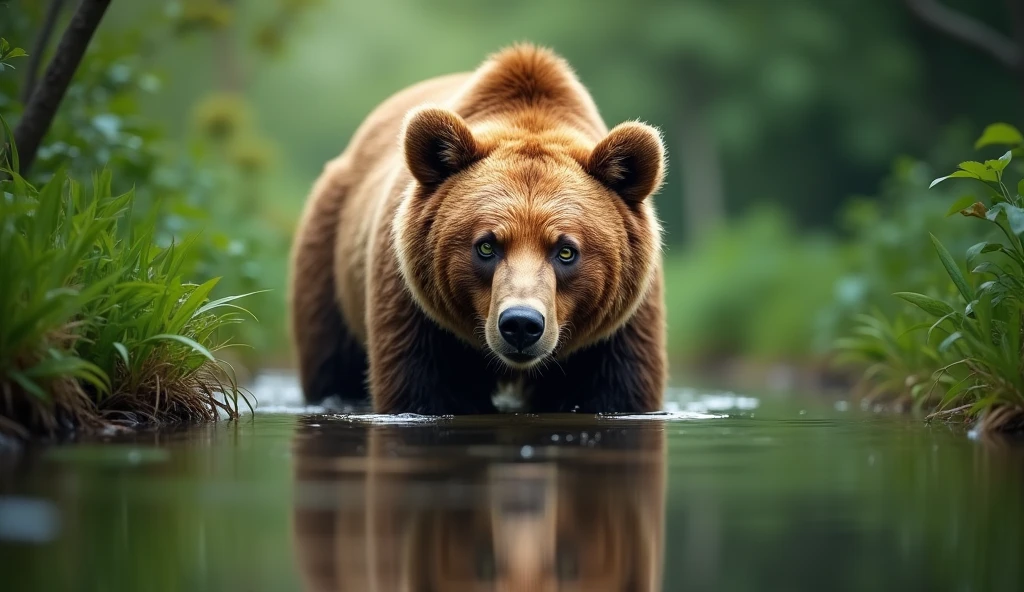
{"x": 791, "y": 206}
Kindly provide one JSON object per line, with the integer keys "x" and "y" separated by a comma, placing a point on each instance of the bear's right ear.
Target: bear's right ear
{"x": 437, "y": 144}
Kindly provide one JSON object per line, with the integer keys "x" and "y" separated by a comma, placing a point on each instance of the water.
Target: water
{"x": 724, "y": 493}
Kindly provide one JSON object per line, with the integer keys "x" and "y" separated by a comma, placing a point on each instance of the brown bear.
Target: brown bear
{"x": 485, "y": 232}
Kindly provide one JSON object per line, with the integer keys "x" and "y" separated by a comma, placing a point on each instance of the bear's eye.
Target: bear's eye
{"x": 485, "y": 250}
{"x": 567, "y": 254}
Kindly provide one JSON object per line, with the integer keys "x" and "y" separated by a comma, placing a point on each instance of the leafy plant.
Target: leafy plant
{"x": 7, "y": 53}
{"x": 99, "y": 324}
{"x": 209, "y": 190}
{"x": 973, "y": 338}
{"x": 897, "y": 367}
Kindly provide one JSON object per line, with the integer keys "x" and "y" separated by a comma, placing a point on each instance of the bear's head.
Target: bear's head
{"x": 525, "y": 241}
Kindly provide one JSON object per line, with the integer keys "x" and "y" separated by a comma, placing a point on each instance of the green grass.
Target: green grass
{"x": 99, "y": 327}
{"x": 961, "y": 351}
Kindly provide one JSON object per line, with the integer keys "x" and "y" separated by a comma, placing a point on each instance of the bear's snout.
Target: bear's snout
{"x": 521, "y": 326}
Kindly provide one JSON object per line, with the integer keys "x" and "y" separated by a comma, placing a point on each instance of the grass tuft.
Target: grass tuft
{"x": 99, "y": 328}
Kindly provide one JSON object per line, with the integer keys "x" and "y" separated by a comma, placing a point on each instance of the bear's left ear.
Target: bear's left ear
{"x": 437, "y": 144}
{"x": 630, "y": 160}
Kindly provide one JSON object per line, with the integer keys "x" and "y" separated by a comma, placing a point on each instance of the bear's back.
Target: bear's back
{"x": 366, "y": 173}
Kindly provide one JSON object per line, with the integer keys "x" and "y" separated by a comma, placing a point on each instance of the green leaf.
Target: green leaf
{"x": 942, "y": 319}
{"x": 960, "y": 204}
{"x": 223, "y": 301}
{"x": 1014, "y": 216}
{"x": 951, "y": 268}
{"x": 978, "y": 249}
{"x": 985, "y": 267}
{"x": 936, "y": 308}
{"x": 953, "y": 175}
{"x": 123, "y": 352}
{"x": 949, "y": 341}
{"x": 1000, "y": 164}
{"x": 195, "y": 299}
{"x": 1002, "y": 134}
{"x": 13, "y": 159}
{"x": 197, "y": 347}
{"x": 979, "y": 170}
{"x": 17, "y": 52}
{"x": 29, "y": 385}
{"x": 61, "y": 365}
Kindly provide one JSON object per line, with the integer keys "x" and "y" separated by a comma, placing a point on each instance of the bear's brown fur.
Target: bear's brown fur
{"x": 460, "y": 199}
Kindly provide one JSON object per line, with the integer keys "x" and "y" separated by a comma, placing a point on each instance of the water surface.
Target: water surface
{"x": 725, "y": 493}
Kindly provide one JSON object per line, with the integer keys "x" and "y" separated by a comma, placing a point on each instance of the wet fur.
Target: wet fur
{"x": 386, "y": 299}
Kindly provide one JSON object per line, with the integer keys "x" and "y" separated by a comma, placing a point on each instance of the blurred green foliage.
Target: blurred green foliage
{"x": 753, "y": 288}
{"x": 221, "y": 113}
{"x": 964, "y": 347}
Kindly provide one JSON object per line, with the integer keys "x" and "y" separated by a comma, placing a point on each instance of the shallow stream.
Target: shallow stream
{"x": 721, "y": 493}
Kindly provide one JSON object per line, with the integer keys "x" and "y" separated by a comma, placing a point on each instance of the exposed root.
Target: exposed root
{"x": 163, "y": 392}
{"x": 23, "y": 414}
{"x": 1003, "y": 419}
{"x": 949, "y": 414}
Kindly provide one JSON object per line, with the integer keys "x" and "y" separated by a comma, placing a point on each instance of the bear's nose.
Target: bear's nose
{"x": 521, "y": 326}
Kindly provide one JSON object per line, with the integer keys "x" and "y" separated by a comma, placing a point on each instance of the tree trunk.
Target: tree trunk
{"x": 48, "y": 94}
{"x": 35, "y": 59}
{"x": 701, "y": 166}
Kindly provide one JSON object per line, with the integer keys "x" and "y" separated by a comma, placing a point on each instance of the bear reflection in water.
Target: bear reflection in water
{"x": 471, "y": 507}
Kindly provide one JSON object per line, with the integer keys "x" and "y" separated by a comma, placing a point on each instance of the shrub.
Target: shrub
{"x": 971, "y": 340}
{"x": 99, "y": 326}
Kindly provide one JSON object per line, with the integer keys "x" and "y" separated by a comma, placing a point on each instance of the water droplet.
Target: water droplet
{"x": 554, "y": 438}
{"x": 568, "y": 438}
{"x": 526, "y": 452}
{"x": 842, "y": 405}
{"x": 803, "y": 412}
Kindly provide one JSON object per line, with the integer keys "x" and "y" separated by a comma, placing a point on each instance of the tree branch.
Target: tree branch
{"x": 47, "y": 95}
{"x": 1016, "y": 8}
{"x": 39, "y": 48}
{"x": 969, "y": 32}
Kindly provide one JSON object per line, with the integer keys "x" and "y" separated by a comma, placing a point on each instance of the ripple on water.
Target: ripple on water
{"x": 662, "y": 416}
{"x": 280, "y": 393}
